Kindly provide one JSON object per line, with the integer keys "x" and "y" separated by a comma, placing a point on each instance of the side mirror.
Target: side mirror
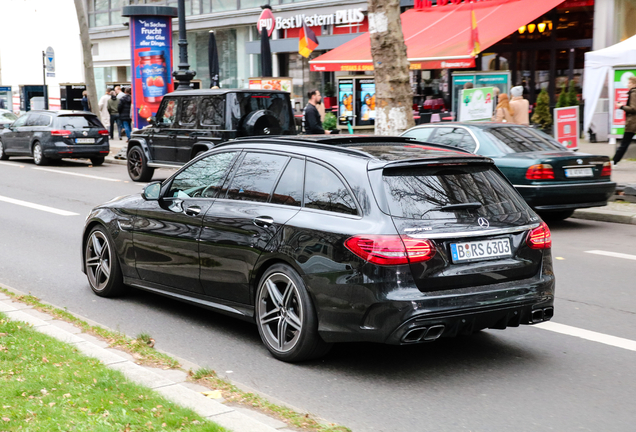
{"x": 2, "y": 125}
{"x": 152, "y": 192}
{"x": 153, "y": 120}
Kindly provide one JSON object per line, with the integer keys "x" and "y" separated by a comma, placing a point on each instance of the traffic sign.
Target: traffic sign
{"x": 50, "y": 60}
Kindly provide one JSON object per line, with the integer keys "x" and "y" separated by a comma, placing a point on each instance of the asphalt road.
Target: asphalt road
{"x": 524, "y": 379}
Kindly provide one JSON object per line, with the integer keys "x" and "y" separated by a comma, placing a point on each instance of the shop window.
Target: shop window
{"x": 224, "y": 5}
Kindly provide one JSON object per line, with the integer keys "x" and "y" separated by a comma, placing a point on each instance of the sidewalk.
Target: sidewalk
{"x": 171, "y": 384}
{"x": 115, "y": 146}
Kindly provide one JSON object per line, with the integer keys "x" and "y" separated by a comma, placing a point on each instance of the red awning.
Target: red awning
{"x": 439, "y": 37}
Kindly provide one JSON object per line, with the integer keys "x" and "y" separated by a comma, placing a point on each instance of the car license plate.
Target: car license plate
{"x": 579, "y": 172}
{"x": 84, "y": 140}
{"x": 477, "y": 250}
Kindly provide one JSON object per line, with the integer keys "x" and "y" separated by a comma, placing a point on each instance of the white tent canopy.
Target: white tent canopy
{"x": 598, "y": 66}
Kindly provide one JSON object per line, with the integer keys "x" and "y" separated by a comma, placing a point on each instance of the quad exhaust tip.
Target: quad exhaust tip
{"x": 423, "y": 334}
{"x": 540, "y": 315}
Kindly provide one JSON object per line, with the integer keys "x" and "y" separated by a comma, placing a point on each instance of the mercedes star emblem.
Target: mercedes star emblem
{"x": 84, "y": 133}
{"x": 579, "y": 161}
{"x": 266, "y": 131}
{"x": 483, "y": 222}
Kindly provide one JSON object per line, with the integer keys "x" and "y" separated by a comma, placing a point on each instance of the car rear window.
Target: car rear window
{"x": 420, "y": 193}
{"x": 521, "y": 140}
{"x": 8, "y": 116}
{"x": 78, "y": 122}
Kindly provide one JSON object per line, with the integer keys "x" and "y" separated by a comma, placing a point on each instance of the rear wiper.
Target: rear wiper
{"x": 462, "y": 206}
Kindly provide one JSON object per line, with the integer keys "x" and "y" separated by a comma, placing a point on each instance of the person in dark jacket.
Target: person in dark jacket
{"x": 113, "y": 110}
{"x": 311, "y": 117}
{"x": 124, "y": 111}
{"x": 630, "y": 120}
{"x": 86, "y": 106}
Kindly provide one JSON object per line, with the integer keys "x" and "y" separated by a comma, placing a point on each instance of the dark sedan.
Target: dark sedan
{"x": 551, "y": 178}
{"x": 47, "y": 135}
{"x": 331, "y": 239}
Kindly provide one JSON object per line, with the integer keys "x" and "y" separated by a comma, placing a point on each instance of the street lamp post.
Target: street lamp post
{"x": 183, "y": 75}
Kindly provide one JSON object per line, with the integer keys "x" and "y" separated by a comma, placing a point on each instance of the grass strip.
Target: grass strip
{"x": 48, "y": 385}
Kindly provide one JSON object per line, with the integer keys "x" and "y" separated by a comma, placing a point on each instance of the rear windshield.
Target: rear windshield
{"x": 78, "y": 122}
{"x": 522, "y": 139}
{"x": 421, "y": 193}
{"x": 8, "y": 116}
{"x": 241, "y": 104}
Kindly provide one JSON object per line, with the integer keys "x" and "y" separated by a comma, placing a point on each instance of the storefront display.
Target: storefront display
{"x": 500, "y": 80}
{"x": 6, "y": 97}
{"x": 270, "y": 83}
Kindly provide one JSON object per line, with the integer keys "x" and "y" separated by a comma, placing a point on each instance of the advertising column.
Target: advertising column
{"x": 151, "y": 59}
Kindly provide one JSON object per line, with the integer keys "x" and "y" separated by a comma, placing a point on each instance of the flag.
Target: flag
{"x": 307, "y": 40}
{"x": 474, "y": 35}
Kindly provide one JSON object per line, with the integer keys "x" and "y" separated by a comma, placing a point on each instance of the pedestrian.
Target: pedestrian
{"x": 86, "y": 106}
{"x": 124, "y": 111}
{"x": 103, "y": 108}
{"x": 630, "y": 120}
{"x": 118, "y": 93}
{"x": 504, "y": 112}
{"x": 519, "y": 107}
{"x": 311, "y": 116}
{"x": 113, "y": 110}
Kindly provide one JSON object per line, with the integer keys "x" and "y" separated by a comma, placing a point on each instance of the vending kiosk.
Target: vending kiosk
{"x": 356, "y": 102}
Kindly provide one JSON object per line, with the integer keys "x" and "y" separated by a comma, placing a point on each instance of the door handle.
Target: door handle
{"x": 263, "y": 221}
{"x": 193, "y": 210}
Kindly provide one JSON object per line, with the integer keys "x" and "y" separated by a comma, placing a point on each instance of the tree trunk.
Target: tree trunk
{"x": 87, "y": 51}
{"x": 394, "y": 97}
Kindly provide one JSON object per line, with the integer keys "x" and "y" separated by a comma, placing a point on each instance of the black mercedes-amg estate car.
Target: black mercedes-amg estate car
{"x": 332, "y": 239}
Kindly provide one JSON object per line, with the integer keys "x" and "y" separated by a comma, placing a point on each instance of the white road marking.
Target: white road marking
{"x": 77, "y": 174}
{"x": 612, "y": 254}
{"x": 589, "y": 335}
{"x": 38, "y": 207}
{"x": 12, "y": 164}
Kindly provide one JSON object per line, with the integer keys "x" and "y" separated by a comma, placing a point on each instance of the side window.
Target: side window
{"x": 43, "y": 120}
{"x": 468, "y": 143}
{"x": 420, "y": 134}
{"x": 188, "y": 112}
{"x": 168, "y": 112}
{"x": 203, "y": 178}
{"x": 32, "y": 120}
{"x": 21, "y": 121}
{"x": 289, "y": 190}
{"x": 325, "y": 191}
{"x": 213, "y": 111}
{"x": 255, "y": 178}
{"x": 450, "y": 136}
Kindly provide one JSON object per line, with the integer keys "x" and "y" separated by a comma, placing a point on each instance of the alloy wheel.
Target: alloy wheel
{"x": 280, "y": 312}
{"x": 98, "y": 260}
{"x": 135, "y": 162}
{"x": 37, "y": 154}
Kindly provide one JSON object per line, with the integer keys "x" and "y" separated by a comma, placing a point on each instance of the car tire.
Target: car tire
{"x": 102, "y": 265}
{"x": 555, "y": 216}
{"x": 97, "y": 161}
{"x": 3, "y": 155}
{"x": 137, "y": 164}
{"x": 38, "y": 155}
{"x": 286, "y": 318}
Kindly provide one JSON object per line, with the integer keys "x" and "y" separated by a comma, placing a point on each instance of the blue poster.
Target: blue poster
{"x": 345, "y": 101}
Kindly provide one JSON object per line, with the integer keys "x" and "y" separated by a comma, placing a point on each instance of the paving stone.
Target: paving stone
{"x": 176, "y": 375}
{"x": 197, "y": 388}
{"x": 17, "y": 315}
{"x": 121, "y": 353}
{"x": 107, "y": 357}
{"x": 4, "y": 296}
{"x": 66, "y": 326}
{"x": 259, "y": 416}
{"x": 36, "y": 313}
{"x": 19, "y": 305}
{"x": 60, "y": 334}
{"x": 6, "y": 306}
{"x": 92, "y": 339}
{"x": 185, "y": 397}
{"x": 141, "y": 375}
{"x": 237, "y": 421}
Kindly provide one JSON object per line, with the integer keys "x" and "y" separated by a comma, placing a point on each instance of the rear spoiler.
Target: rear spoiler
{"x": 438, "y": 161}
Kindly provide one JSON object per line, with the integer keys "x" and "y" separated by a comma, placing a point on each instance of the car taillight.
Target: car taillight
{"x": 103, "y": 132}
{"x": 540, "y": 172}
{"x": 607, "y": 169}
{"x": 61, "y": 132}
{"x": 540, "y": 237}
{"x": 390, "y": 249}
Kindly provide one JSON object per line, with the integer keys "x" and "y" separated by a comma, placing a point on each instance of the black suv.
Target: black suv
{"x": 193, "y": 121}
{"x": 322, "y": 240}
{"x": 47, "y": 135}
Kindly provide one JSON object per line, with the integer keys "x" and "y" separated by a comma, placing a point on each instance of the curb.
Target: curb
{"x": 605, "y": 216}
{"x": 112, "y": 160}
{"x": 171, "y": 384}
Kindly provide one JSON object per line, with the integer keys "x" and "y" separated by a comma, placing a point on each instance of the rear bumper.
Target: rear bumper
{"x": 566, "y": 196}
{"x": 62, "y": 150}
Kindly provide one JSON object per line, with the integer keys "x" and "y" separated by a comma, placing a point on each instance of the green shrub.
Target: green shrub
{"x": 542, "y": 115}
{"x": 330, "y": 122}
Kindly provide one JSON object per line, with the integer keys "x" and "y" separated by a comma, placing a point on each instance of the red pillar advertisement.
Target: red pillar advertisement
{"x": 566, "y": 126}
{"x": 151, "y": 43}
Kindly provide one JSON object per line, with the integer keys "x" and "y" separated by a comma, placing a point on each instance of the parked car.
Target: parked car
{"x": 47, "y": 135}
{"x": 193, "y": 121}
{"x": 551, "y": 178}
{"x": 6, "y": 118}
{"x": 331, "y": 239}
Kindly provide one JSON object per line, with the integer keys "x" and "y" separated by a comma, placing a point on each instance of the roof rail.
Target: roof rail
{"x": 297, "y": 143}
